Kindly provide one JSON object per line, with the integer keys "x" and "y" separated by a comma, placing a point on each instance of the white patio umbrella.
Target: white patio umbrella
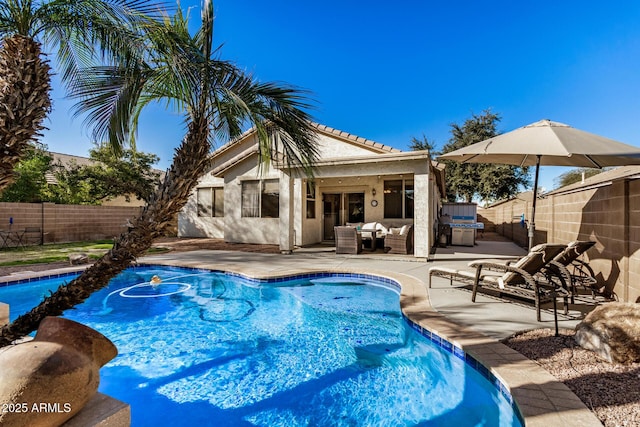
{"x": 547, "y": 143}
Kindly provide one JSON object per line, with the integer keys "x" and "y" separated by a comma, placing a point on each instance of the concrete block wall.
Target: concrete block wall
{"x": 68, "y": 223}
{"x": 488, "y": 218}
{"x": 633, "y": 269}
{"x": 608, "y": 213}
{"x": 505, "y": 220}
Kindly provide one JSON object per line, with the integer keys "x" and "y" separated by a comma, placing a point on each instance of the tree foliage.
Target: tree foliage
{"x": 110, "y": 175}
{"x": 107, "y": 176}
{"x": 422, "y": 144}
{"x": 575, "y": 175}
{"x": 78, "y": 31}
{"x": 30, "y": 183}
{"x": 486, "y": 181}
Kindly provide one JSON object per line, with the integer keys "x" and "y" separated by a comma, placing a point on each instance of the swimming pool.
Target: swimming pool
{"x": 206, "y": 348}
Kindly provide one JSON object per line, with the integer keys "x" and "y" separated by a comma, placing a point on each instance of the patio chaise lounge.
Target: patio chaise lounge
{"x": 573, "y": 270}
{"x": 528, "y": 278}
{"x": 348, "y": 240}
{"x": 578, "y": 271}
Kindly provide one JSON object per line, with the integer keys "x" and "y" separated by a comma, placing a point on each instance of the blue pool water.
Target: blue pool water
{"x": 206, "y": 348}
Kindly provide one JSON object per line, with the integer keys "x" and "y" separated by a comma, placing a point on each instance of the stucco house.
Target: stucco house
{"x": 356, "y": 180}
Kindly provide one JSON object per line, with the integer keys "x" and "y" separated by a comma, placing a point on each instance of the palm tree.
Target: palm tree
{"x": 75, "y": 28}
{"x": 218, "y": 100}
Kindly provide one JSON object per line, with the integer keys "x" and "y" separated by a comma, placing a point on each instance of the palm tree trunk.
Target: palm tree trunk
{"x": 189, "y": 163}
{"x": 25, "y": 85}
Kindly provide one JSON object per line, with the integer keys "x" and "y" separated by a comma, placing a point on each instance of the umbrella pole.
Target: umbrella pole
{"x": 532, "y": 223}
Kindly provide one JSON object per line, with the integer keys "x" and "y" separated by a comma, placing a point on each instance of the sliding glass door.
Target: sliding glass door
{"x": 340, "y": 208}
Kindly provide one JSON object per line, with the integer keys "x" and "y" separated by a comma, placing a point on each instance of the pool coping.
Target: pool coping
{"x": 540, "y": 399}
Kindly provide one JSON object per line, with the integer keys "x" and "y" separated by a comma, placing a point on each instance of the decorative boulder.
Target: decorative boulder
{"x": 75, "y": 259}
{"x": 46, "y": 381}
{"x": 612, "y": 331}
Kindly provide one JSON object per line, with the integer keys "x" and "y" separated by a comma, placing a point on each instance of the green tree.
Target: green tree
{"x": 39, "y": 179}
{"x": 73, "y": 28}
{"x": 486, "y": 181}
{"x": 422, "y": 144}
{"x": 128, "y": 173}
{"x": 70, "y": 187}
{"x": 217, "y": 99}
{"x": 30, "y": 184}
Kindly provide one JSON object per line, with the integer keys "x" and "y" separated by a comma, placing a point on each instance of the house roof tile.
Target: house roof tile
{"x": 358, "y": 140}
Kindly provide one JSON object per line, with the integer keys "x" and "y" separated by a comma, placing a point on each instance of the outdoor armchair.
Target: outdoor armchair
{"x": 400, "y": 242}
{"x": 528, "y": 278}
{"x": 348, "y": 240}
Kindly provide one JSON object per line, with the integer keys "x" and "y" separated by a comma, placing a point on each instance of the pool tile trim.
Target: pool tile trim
{"x": 19, "y": 281}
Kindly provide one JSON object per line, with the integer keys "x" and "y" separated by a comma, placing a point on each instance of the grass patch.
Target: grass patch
{"x": 58, "y": 252}
{"x": 42, "y": 260}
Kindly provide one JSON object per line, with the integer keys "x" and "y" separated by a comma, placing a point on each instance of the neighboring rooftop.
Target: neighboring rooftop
{"x": 601, "y": 178}
{"x": 67, "y": 160}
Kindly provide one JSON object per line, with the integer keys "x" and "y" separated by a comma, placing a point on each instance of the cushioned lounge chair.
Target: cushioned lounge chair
{"x": 400, "y": 242}
{"x": 348, "y": 240}
{"x": 578, "y": 271}
{"x": 529, "y": 278}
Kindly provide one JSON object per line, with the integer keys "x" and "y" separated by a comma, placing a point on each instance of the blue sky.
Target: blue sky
{"x": 392, "y": 71}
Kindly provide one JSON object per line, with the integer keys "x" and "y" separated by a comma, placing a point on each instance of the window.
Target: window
{"x": 311, "y": 200}
{"x": 408, "y": 199}
{"x": 398, "y": 199}
{"x": 210, "y": 201}
{"x": 355, "y": 207}
{"x": 218, "y": 202}
{"x": 270, "y": 202}
{"x": 260, "y": 199}
{"x": 393, "y": 199}
{"x": 250, "y": 199}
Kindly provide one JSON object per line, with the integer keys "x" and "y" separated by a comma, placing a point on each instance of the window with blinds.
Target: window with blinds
{"x": 260, "y": 199}
{"x": 210, "y": 201}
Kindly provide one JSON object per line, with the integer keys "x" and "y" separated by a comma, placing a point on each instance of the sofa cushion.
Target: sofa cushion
{"x": 381, "y": 230}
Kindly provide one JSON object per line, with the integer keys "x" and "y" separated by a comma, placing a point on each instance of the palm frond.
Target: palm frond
{"x": 276, "y": 111}
{"x": 88, "y": 32}
{"x": 109, "y": 97}
{"x": 180, "y": 73}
